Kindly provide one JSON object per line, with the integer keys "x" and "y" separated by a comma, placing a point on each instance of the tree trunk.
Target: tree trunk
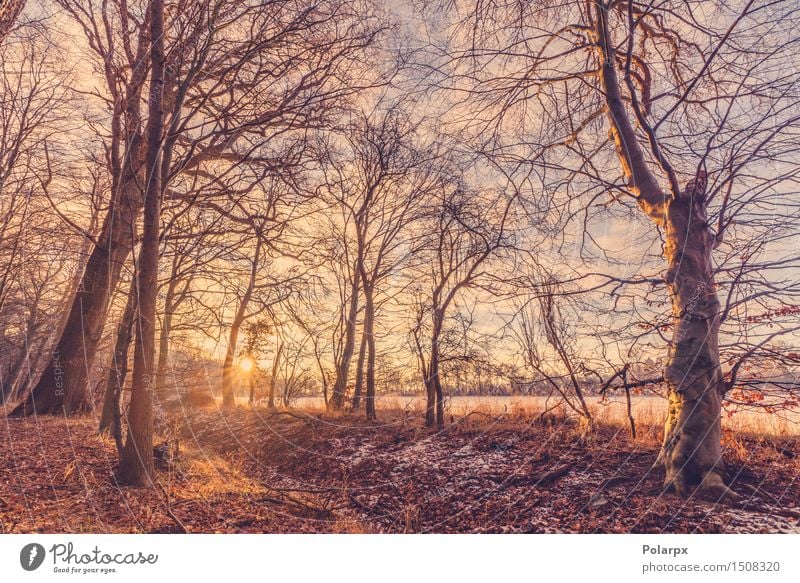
{"x": 274, "y": 376}
{"x": 432, "y": 387}
{"x": 369, "y": 332}
{"x": 362, "y": 354}
{"x": 54, "y": 331}
{"x": 136, "y": 463}
{"x": 111, "y": 417}
{"x": 228, "y": 399}
{"x": 252, "y": 398}
{"x": 63, "y": 385}
{"x": 430, "y": 403}
{"x": 336, "y": 402}
{"x": 437, "y": 385}
{"x": 691, "y": 453}
{"x": 163, "y": 338}
{"x": 9, "y": 11}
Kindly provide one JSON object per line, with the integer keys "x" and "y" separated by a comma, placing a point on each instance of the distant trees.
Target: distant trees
{"x": 230, "y": 94}
{"x": 206, "y": 51}
{"x": 379, "y": 178}
{"x": 465, "y": 229}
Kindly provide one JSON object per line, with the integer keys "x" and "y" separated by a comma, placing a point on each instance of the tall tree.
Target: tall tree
{"x": 240, "y": 315}
{"x": 136, "y": 464}
{"x": 696, "y": 105}
{"x": 238, "y": 69}
{"x": 464, "y": 230}
{"x": 63, "y": 385}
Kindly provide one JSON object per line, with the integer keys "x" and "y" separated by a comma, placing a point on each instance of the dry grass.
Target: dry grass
{"x": 648, "y": 412}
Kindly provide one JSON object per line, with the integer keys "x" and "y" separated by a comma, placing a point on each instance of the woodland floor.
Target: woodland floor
{"x": 262, "y": 471}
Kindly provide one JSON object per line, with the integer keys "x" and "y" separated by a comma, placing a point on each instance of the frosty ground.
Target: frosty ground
{"x": 261, "y": 470}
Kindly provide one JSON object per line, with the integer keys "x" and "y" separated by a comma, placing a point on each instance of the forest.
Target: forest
{"x": 405, "y": 266}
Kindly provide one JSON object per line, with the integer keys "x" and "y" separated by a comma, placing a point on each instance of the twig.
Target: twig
{"x": 555, "y": 474}
{"x": 170, "y": 513}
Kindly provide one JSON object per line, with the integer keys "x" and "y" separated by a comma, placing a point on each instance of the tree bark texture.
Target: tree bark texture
{"x": 336, "y": 402}
{"x": 136, "y": 466}
{"x": 111, "y": 416}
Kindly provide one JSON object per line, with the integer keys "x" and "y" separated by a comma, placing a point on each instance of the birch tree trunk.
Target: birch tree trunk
{"x": 62, "y": 388}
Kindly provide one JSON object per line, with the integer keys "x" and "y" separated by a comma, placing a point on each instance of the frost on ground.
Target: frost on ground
{"x": 262, "y": 471}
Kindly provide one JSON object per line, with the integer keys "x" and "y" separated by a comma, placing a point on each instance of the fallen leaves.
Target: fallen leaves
{"x": 253, "y": 471}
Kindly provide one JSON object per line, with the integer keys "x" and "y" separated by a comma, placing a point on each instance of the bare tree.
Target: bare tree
{"x": 238, "y": 319}
{"x": 136, "y": 462}
{"x": 379, "y": 179}
{"x": 74, "y": 352}
{"x": 672, "y": 87}
{"x": 111, "y": 413}
{"x": 465, "y": 231}
{"x": 207, "y": 51}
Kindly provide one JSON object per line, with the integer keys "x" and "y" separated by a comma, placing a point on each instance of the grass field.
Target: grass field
{"x": 648, "y": 411}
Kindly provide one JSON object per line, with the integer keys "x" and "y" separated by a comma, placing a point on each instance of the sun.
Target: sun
{"x": 246, "y": 364}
